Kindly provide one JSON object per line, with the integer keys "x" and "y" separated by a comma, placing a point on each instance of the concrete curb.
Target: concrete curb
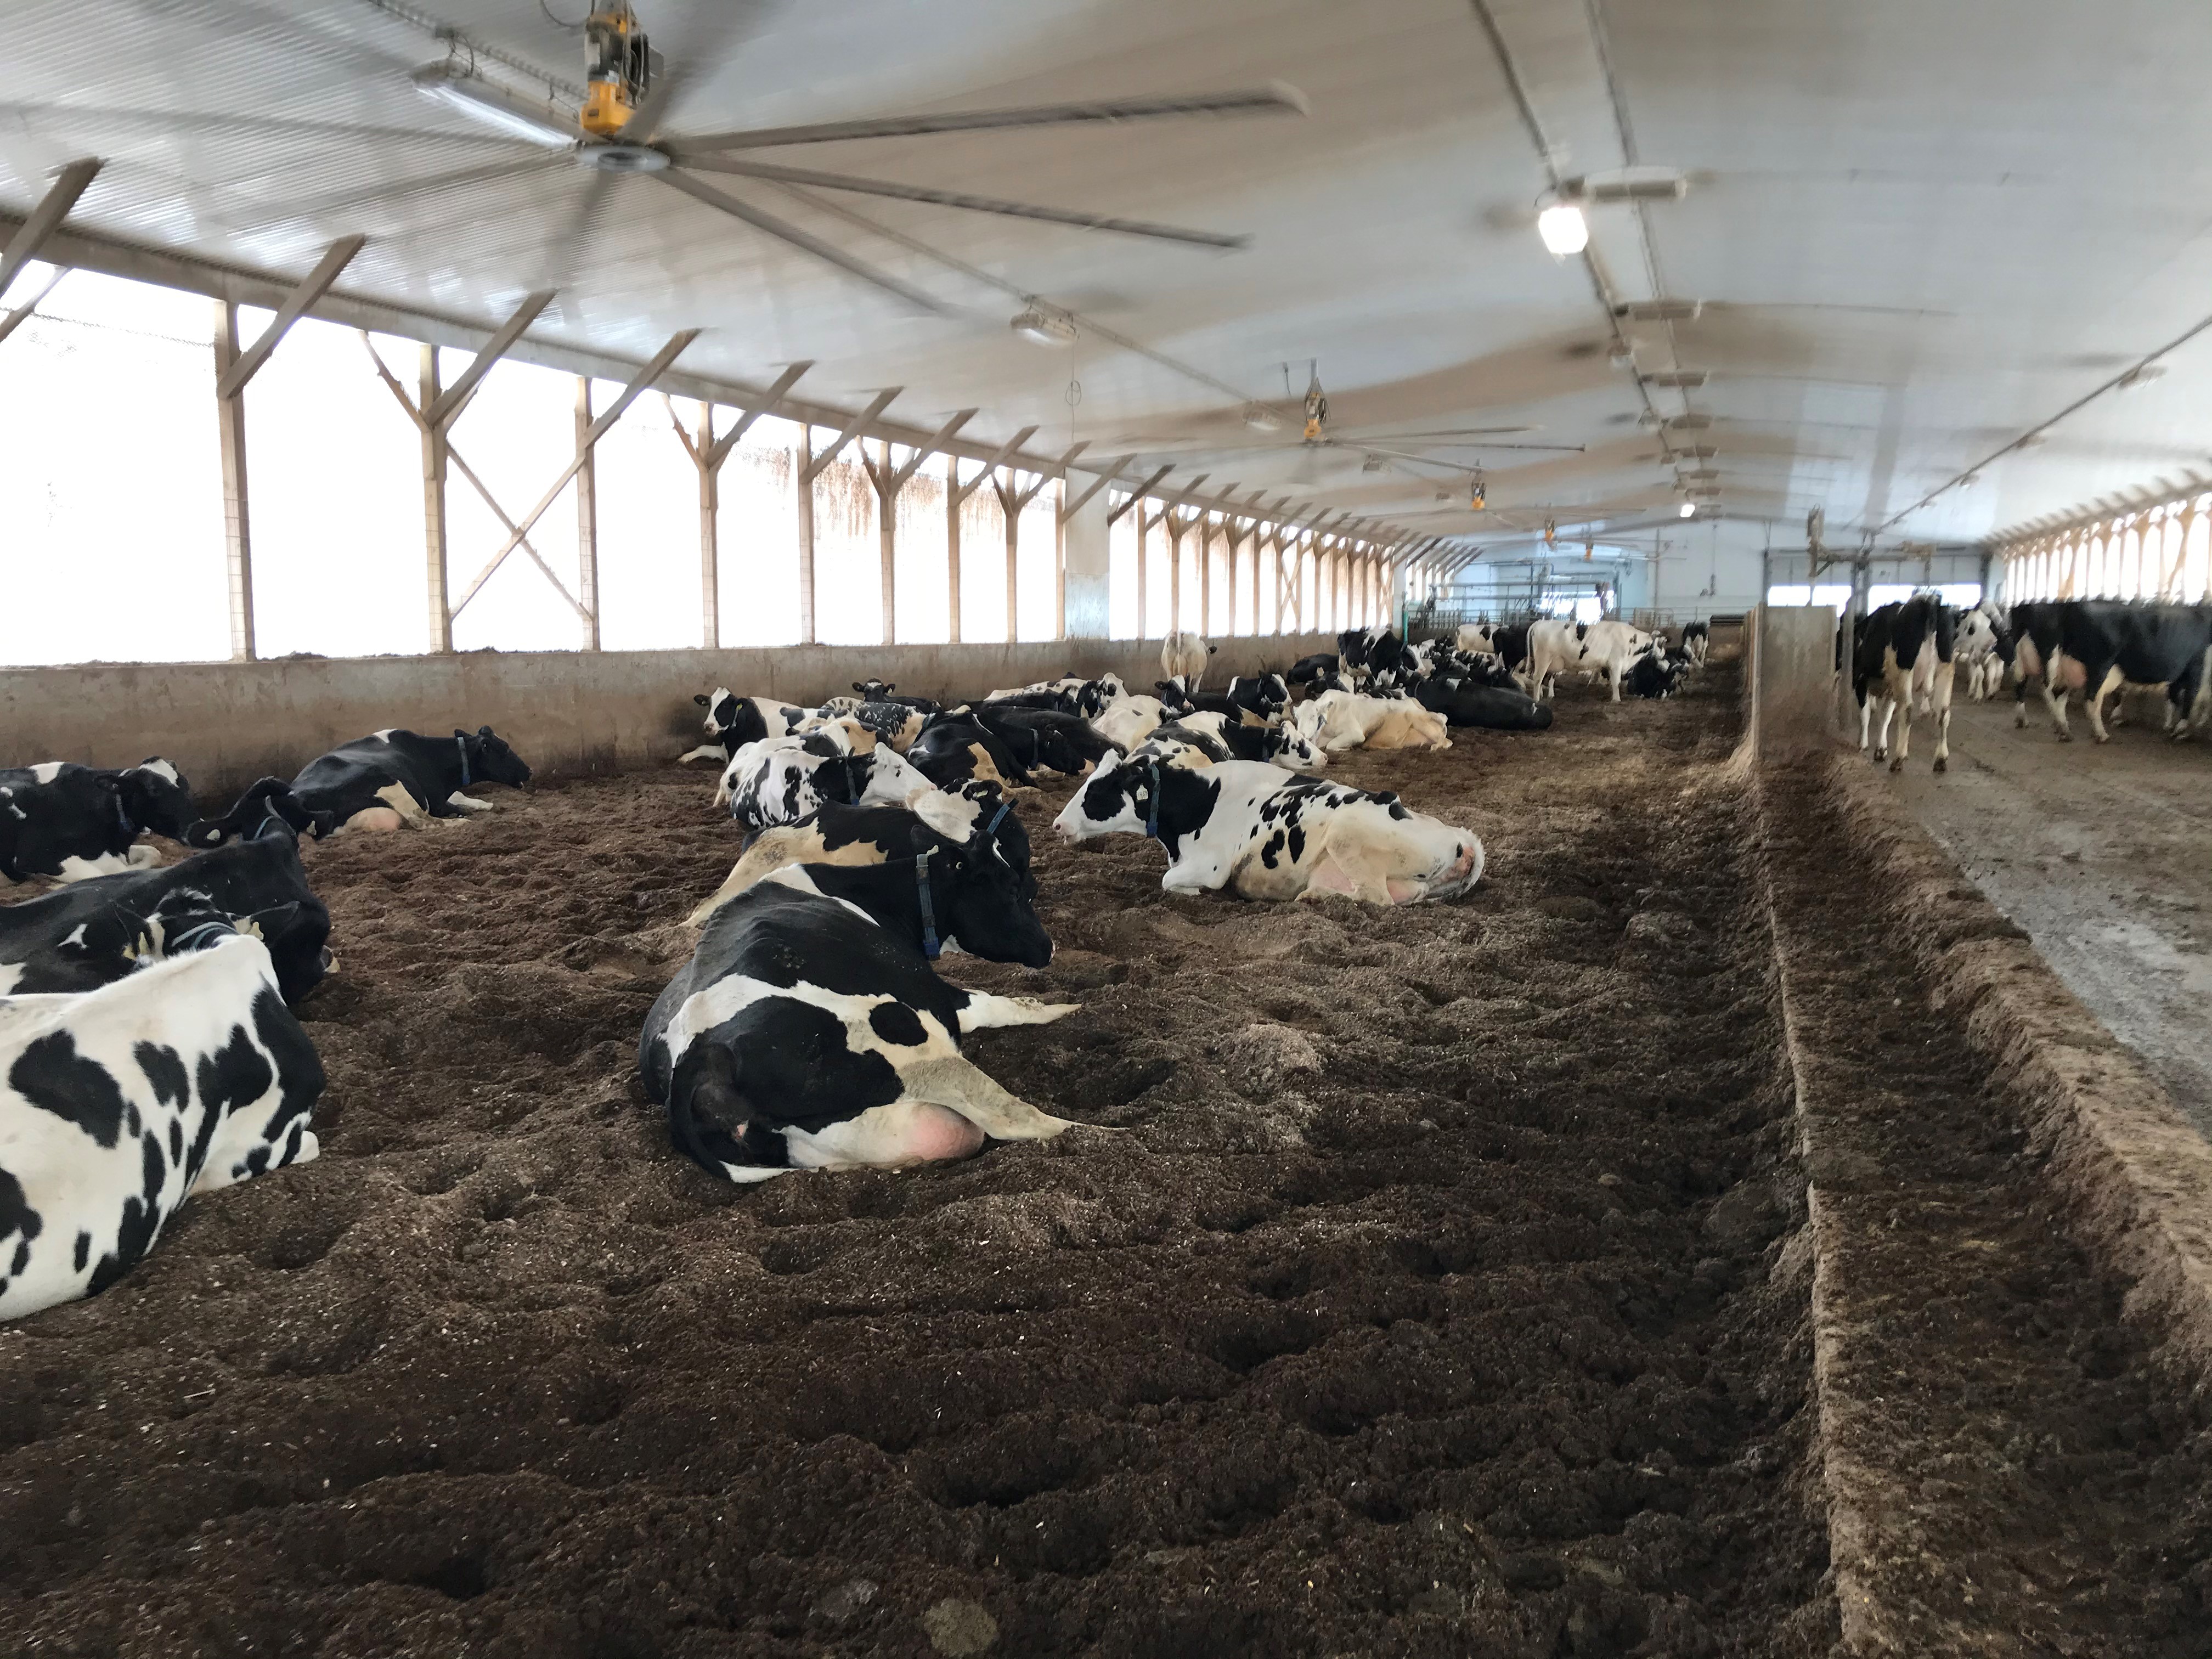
{"x": 2136, "y": 1177}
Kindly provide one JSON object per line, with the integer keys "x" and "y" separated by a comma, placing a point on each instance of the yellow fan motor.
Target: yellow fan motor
{"x": 616, "y": 66}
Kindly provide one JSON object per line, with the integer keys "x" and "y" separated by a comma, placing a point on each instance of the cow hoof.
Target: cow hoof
{"x": 1898, "y": 765}
{"x": 1942, "y": 765}
{"x": 2065, "y": 737}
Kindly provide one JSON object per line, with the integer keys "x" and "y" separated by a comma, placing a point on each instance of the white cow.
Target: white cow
{"x": 1264, "y": 833}
{"x": 1182, "y": 656}
{"x": 1338, "y": 721}
{"x": 1553, "y": 649}
{"x": 1475, "y": 636}
{"x": 1610, "y": 647}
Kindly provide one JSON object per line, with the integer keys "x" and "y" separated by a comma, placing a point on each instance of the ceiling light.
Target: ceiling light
{"x": 1374, "y": 463}
{"x": 2141, "y": 374}
{"x": 1697, "y": 451}
{"x": 1619, "y": 352}
{"x": 1564, "y": 230}
{"x": 2032, "y": 440}
{"x": 1042, "y": 327}
{"x": 1970, "y": 480}
{"x": 1689, "y": 509}
{"x": 1660, "y": 311}
{"x": 495, "y": 106}
{"x": 1687, "y": 423}
{"x": 1260, "y": 419}
{"x": 1687, "y": 379}
{"x": 1703, "y": 474}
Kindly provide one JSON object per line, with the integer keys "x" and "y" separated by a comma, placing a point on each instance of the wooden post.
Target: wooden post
{"x": 1060, "y": 568}
{"x": 1205, "y": 575}
{"x": 238, "y": 538}
{"x": 953, "y": 500}
{"x": 1144, "y": 558}
{"x": 710, "y": 534}
{"x": 436, "y": 554}
{"x": 803, "y": 472}
{"x": 887, "y": 494}
{"x": 587, "y": 516}
{"x": 1175, "y": 528}
{"x": 1010, "y": 506}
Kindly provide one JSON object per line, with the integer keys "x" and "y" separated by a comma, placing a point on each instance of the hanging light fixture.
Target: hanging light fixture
{"x": 1564, "y": 228}
{"x": 1689, "y": 509}
{"x": 1261, "y": 418}
{"x": 1042, "y": 327}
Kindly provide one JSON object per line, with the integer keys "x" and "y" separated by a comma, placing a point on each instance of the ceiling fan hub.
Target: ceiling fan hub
{"x": 624, "y": 158}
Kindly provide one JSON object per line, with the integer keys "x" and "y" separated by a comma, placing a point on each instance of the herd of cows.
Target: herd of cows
{"x": 149, "y": 1048}
{"x": 1906, "y": 658}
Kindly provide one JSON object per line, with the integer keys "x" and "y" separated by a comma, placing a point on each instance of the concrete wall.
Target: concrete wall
{"x": 1793, "y": 677}
{"x": 225, "y": 724}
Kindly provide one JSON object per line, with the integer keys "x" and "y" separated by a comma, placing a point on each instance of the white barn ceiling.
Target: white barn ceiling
{"x": 1919, "y": 230}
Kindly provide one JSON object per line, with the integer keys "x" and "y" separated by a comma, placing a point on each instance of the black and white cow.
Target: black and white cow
{"x": 1490, "y": 707}
{"x": 733, "y": 721}
{"x": 261, "y": 801}
{"x": 809, "y": 1030}
{"x": 1377, "y": 657}
{"x": 1904, "y": 654}
{"x": 1070, "y": 694}
{"x": 1651, "y": 674}
{"x": 1280, "y": 743}
{"x": 888, "y": 691}
{"x": 66, "y": 822}
{"x": 99, "y": 931}
{"x": 1264, "y": 833}
{"x": 1042, "y": 737}
{"x": 781, "y": 780}
{"x": 956, "y": 747}
{"x": 1697, "y": 640}
{"x": 974, "y": 817}
{"x": 395, "y": 778}
{"x": 1323, "y": 664}
{"x": 2103, "y": 645}
{"x": 894, "y": 723}
{"x": 117, "y": 1103}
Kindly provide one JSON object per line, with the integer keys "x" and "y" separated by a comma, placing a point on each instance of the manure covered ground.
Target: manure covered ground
{"x": 1444, "y": 1292}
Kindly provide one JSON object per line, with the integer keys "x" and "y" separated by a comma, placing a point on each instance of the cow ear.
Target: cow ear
{"x": 461, "y": 734}
{"x": 702, "y": 699}
{"x": 483, "y": 731}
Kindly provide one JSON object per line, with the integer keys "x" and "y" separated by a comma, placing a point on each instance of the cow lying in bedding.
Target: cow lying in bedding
{"x": 394, "y": 779}
{"x": 1264, "y": 833}
{"x": 974, "y": 817}
{"x": 99, "y": 931}
{"x": 118, "y": 1103}
{"x": 1337, "y": 721}
{"x": 810, "y": 1031}
{"x": 781, "y": 780}
{"x": 67, "y": 822}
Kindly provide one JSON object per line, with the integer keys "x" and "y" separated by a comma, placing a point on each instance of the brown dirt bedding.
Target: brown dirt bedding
{"x": 1444, "y": 1292}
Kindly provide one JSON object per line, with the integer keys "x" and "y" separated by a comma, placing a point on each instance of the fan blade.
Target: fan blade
{"x": 783, "y": 231}
{"x": 955, "y": 199}
{"x": 395, "y": 190}
{"x": 568, "y": 247}
{"x": 233, "y": 124}
{"x": 1261, "y": 101}
{"x": 1460, "y": 432}
{"x": 1564, "y": 449}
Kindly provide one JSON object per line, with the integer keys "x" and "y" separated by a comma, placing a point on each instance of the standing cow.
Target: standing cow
{"x": 1904, "y": 656}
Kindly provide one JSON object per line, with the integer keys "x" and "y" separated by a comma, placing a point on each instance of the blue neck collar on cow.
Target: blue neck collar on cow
{"x": 183, "y": 941}
{"x": 462, "y": 744}
{"x": 123, "y": 817}
{"x": 1152, "y": 806}
{"x": 932, "y": 946}
{"x": 997, "y": 818}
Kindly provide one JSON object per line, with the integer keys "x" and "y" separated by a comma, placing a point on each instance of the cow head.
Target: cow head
{"x": 1271, "y": 693}
{"x": 1126, "y": 794}
{"x": 490, "y": 761}
{"x": 1174, "y": 694}
{"x": 722, "y": 707}
{"x": 874, "y": 690}
{"x": 155, "y": 798}
{"x": 1288, "y": 746}
{"x": 1094, "y": 697}
{"x": 987, "y": 907}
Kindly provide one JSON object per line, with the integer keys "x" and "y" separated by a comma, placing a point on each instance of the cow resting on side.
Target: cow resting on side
{"x": 396, "y": 779}
{"x": 1338, "y": 721}
{"x": 810, "y": 1031}
{"x": 67, "y": 822}
{"x": 118, "y": 1103}
{"x": 1264, "y": 833}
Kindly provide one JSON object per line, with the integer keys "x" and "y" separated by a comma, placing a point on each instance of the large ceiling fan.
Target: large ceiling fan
{"x": 620, "y": 131}
{"x": 1374, "y": 453}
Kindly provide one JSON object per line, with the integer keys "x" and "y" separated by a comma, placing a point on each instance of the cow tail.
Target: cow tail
{"x": 707, "y": 1114}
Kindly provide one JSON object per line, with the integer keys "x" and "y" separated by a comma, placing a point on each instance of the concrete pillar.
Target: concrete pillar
{"x": 1793, "y": 676}
{"x": 1087, "y": 562}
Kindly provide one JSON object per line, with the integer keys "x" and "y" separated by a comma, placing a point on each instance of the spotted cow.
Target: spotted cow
{"x": 65, "y": 822}
{"x": 396, "y": 779}
{"x": 1263, "y": 833}
{"x": 117, "y": 1103}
